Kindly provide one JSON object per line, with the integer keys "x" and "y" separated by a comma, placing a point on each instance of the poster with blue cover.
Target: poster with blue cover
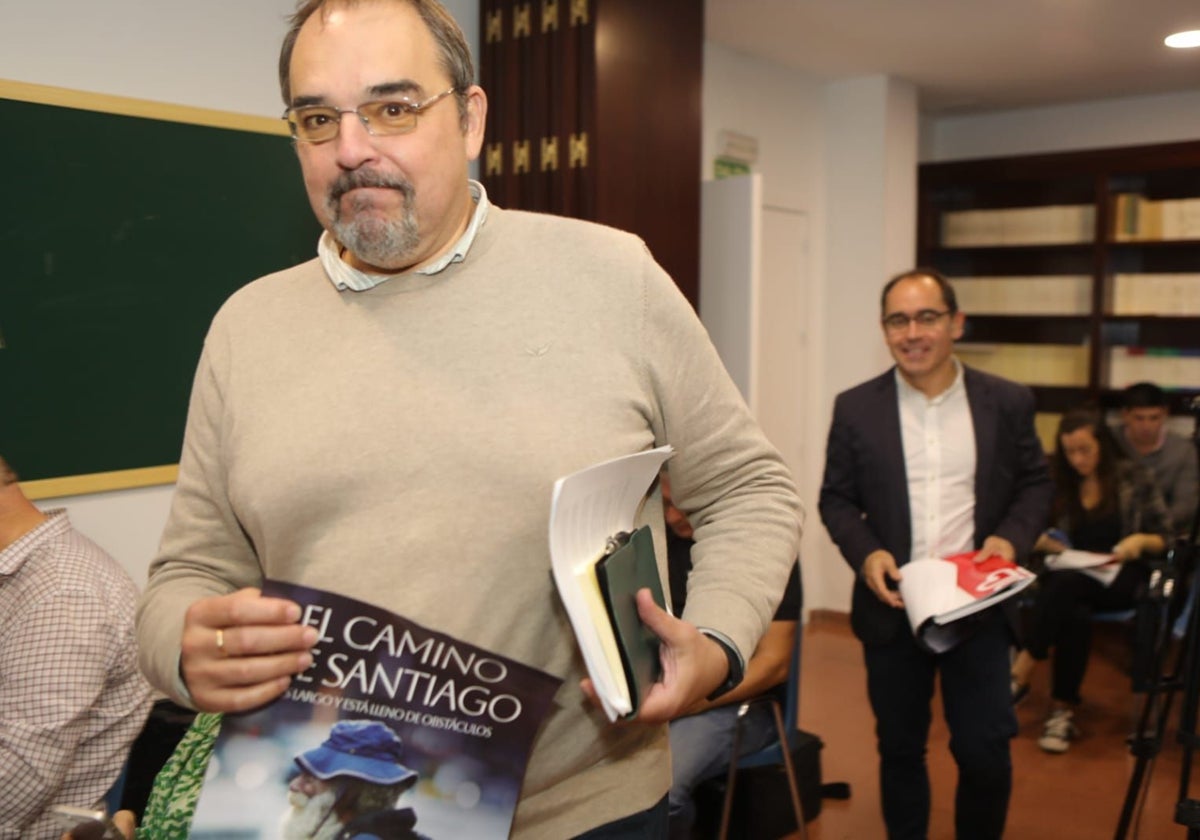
{"x": 396, "y": 731}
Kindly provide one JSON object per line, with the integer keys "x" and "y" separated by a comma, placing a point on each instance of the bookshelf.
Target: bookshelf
{"x": 1079, "y": 272}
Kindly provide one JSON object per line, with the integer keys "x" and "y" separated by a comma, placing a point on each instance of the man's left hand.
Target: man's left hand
{"x": 693, "y": 664}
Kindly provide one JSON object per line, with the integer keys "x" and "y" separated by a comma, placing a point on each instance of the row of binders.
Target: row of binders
{"x": 1055, "y": 224}
{"x": 1161, "y": 294}
{"x": 1169, "y": 367}
{"x": 1135, "y": 218}
{"x": 1066, "y": 365}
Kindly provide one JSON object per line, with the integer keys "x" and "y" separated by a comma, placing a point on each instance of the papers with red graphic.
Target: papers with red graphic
{"x": 940, "y": 591}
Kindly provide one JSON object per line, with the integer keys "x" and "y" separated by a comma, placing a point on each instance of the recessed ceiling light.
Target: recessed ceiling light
{"x": 1183, "y": 40}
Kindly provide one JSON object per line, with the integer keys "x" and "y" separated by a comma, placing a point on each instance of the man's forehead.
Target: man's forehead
{"x": 337, "y": 10}
{"x": 376, "y": 48}
{"x": 923, "y": 292}
{"x": 370, "y": 30}
{"x": 380, "y": 18}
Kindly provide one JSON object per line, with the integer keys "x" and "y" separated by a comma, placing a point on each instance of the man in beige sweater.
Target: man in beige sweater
{"x": 387, "y": 420}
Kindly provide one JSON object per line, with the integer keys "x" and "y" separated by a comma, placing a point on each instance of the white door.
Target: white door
{"x": 753, "y": 265}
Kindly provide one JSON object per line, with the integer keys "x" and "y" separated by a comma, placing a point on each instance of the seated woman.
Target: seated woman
{"x": 1105, "y": 504}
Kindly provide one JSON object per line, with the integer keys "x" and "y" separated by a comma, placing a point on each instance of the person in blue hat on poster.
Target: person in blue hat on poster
{"x": 348, "y": 786}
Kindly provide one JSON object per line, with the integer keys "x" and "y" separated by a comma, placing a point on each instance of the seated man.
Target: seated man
{"x": 701, "y": 741}
{"x": 1145, "y": 438}
{"x": 71, "y": 697}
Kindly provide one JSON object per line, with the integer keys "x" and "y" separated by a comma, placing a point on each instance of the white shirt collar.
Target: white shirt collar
{"x": 345, "y": 276}
{"x": 908, "y": 392}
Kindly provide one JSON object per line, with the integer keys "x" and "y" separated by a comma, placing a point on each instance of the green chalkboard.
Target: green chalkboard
{"x": 121, "y": 236}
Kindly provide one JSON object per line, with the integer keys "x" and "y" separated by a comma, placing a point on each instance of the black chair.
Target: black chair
{"x": 779, "y": 752}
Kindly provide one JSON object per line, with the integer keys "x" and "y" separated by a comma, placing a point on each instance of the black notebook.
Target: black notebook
{"x": 599, "y": 558}
{"x": 621, "y": 572}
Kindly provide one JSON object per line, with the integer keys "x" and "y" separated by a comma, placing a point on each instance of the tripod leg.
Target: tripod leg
{"x": 1148, "y": 742}
{"x": 1187, "y": 810}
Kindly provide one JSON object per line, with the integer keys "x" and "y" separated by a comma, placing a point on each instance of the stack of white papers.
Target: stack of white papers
{"x": 1102, "y": 567}
{"x": 939, "y": 591}
{"x": 586, "y": 509}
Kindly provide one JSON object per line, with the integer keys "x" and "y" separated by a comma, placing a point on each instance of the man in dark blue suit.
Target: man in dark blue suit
{"x": 931, "y": 459}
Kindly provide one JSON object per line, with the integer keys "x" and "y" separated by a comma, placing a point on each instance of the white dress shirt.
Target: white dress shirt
{"x": 939, "y": 460}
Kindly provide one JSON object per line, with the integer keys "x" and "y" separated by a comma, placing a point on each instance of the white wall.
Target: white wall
{"x": 219, "y": 54}
{"x": 843, "y": 155}
{"x": 1128, "y": 121}
{"x": 786, "y": 116}
{"x": 872, "y": 131}
{"x": 781, "y": 108}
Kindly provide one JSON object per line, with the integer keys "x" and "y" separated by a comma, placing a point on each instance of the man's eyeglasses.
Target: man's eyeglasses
{"x": 899, "y": 321}
{"x": 320, "y": 123}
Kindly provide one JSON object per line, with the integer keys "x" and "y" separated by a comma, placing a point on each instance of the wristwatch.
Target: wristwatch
{"x": 737, "y": 668}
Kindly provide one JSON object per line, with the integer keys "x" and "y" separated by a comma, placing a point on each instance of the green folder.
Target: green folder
{"x": 628, "y": 567}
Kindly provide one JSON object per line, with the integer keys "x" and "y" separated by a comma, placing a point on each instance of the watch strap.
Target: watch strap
{"x": 737, "y": 666}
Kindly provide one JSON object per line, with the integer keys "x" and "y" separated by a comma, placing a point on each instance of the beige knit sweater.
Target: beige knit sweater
{"x": 399, "y": 446}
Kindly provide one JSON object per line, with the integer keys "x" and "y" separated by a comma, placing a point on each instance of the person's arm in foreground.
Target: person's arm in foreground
{"x": 206, "y": 637}
{"x": 736, "y": 492}
{"x": 54, "y": 662}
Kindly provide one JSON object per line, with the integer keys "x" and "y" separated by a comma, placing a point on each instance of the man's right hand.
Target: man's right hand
{"x": 240, "y": 651}
{"x": 877, "y": 569}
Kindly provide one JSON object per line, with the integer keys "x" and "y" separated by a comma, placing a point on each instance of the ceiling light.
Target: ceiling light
{"x": 1183, "y": 40}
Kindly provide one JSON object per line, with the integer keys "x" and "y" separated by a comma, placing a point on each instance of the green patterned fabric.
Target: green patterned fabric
{"x": 177, "y": 786}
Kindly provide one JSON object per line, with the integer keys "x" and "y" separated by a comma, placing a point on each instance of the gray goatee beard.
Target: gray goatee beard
{"x": 386, "y": 242}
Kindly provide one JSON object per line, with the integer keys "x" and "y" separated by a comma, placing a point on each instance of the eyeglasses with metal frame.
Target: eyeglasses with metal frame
{"x": 899, "y": 321}
{"x": 381, "y": 118}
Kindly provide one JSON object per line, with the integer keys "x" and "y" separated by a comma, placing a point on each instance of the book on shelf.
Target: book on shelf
{"x": 1057, "y": 224}
{"x": 1102, "y": 567}
{"x": 1033, "y": 364}
{"x": 1125, "y": 216}
{"x": 1140, "y": 219}
{"x": 599, "y": 561}
{"x": 939, "y": 593}
{"x": 1161, "y": 293}
{"x": 1169, "y": 367}
{"x": 438, "y": 730}
{"x": 1067, "y": 294}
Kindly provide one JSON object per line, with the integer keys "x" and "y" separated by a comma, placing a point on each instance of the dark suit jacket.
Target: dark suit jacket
{"x": 864, "y": 494}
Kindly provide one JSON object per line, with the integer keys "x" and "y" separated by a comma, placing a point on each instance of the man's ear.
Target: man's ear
{"x": 957, "y": 323}
{"x": 475, "y": 120}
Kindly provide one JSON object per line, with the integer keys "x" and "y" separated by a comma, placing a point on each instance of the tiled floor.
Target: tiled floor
{"x": 1056, "y": 797}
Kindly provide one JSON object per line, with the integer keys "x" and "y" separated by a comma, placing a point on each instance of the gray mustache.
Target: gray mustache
{"x": 358, "y": 180}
